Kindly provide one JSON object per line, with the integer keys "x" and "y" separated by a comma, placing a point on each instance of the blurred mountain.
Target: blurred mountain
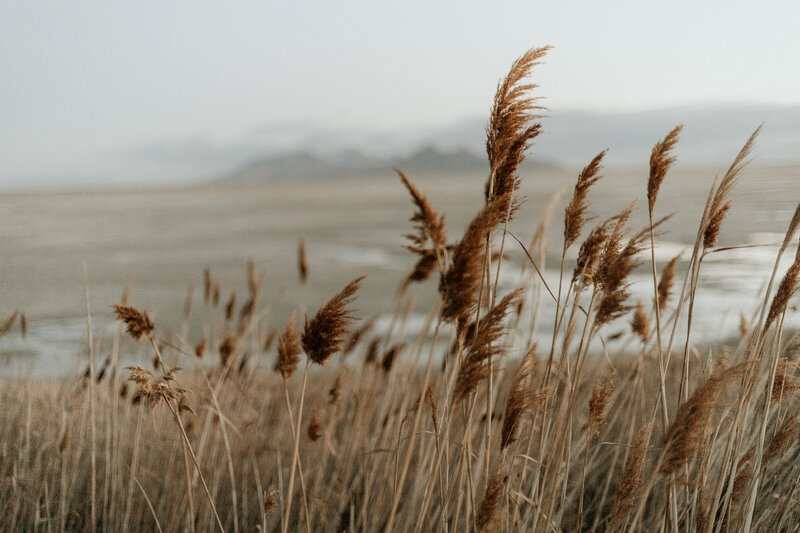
{"x": 712, "y": 135}
{"x": 429, "y": 160}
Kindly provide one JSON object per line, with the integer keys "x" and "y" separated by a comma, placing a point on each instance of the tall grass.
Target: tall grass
{"x": 469, "y": 426}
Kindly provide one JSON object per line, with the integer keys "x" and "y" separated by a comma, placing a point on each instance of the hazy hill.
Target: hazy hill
{"x": 712, "y": 135}
{"x": 350, "y": 163}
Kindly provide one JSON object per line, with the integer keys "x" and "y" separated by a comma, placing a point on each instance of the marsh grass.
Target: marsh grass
{"x": 468, "y": 426}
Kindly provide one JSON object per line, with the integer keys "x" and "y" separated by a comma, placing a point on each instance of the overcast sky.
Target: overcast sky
{"x": 88, "y": 89}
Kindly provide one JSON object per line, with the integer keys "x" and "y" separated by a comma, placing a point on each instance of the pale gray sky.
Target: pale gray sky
{"x": 88, "y": 87}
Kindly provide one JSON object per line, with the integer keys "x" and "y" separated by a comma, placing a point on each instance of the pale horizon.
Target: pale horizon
{"x": 86, "y": 87}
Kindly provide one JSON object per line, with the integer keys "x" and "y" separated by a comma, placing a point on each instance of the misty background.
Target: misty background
{"x": 126, "y": 95}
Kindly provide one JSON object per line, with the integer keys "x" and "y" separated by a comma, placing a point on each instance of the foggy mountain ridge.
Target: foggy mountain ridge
{"x": 712, "y": 135}
{"x": 429, "y": 160}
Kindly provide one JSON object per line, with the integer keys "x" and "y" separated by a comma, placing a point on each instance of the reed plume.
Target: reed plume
{"x": 207, "y": 285}
{"x": 254, "y": 282}
{"x": 639, "y": 323}
{"x": 8, "y": 323}
{"x": 302, "y": 261}
{"x": 575, "y": 213}
{"x": 270, "y": 340}
{"x": 601, "y": 392}
{"x": 324, "y": 334}
{"x": 288, "y": 351}
{"x": 460, "y": 285}
{"x": 335, "y": 390}
{"x": 138, "y": 323}
{"x": 628, "y": 488}
{"x": 785, "y": 291}
{"x": 793, "y": 225}
{"x": 428, "y": 223}
{"x": 666, "y": 282}
{"x": 782, "y": 436}
{"x": 389, "y": 356}
{"x": 489, "y": 517}
{"x": 720, "y": 204}
{"x": 661, "y": 159}
{"x": 270, "y": 500}
{"x": 371, "y": 354}
{"x": 200, "y": 349}
{"x": 512, "y": 127}
{"x": 518, "y": 399}
{"x": 589, "y": 255}
{"x": 685, "y": 434}
{"x": 615, "y": 266}
{"x": 314, "y": 428}
{"x": 473, "y": 368}
{"x": 434, "y": 411}
{"x": 784, "y": 385}
{"x": 227, "y": 349}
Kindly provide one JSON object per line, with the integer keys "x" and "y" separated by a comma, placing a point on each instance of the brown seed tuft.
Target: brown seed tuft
{"x": 793, "y": 225}
{"x": 200, "y": 349}
{"x": 324, "y": 334}
{"x": 270, "y": 500}
{"x": 226, "y": 350}
{"x": 302, "y": 261}
{"x": 314, "y": 428}
{"x": 512, "y": 127}
{"x": 333, "y": 392}
{"x": 575, "y": 213}
{"x": 781, "y": 438}
{"x": 666, "y": 282}
{"x": 784, "y": 384}
{"x": 270, "y": 340}
{"x": 785, "y": 291}
{"x": 288, "y": 351}
{"x": 460, "y": 285}
{"x": 661, "y": 159}
{"x": 430, "y": 227}
{"x": 685, "y": 434}
{"x": 254, "y": 282}
{"x": 714, "y": 222}
{"x": 138, "y": 322}
{"x": 640, "y": 324}
{"x": 434, "y": 412}
{"x": 601, "y": 392}
{"x": 230, "y": 306}
{"x": 473, "y": 368}
{"x": 63, "y": 442}
{"x": 744, "y": 327}
{"x": 489, "y": 513}
{"x": 207, "y": 285}
{"x": 391, "y": 354}
{"x": 372, "y": 351}
{"x": 518, "y": 399}
{"x": 718, "y": 204}
{"x": 589, "y": 255}
{"x": 627, "y": 488}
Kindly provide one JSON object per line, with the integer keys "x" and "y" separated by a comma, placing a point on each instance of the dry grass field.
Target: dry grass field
{"x": 472, "y": 420}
